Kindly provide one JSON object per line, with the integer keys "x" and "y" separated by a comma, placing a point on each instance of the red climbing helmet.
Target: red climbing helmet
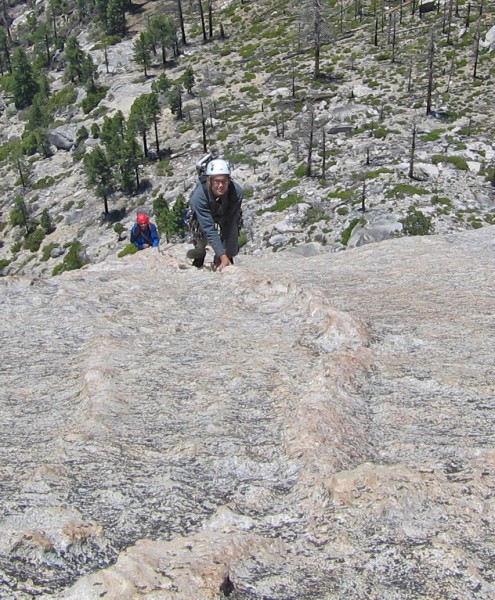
{"x": 143, "y": 219}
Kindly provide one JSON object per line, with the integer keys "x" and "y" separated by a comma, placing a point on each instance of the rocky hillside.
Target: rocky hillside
{"x": 387, "y": 73}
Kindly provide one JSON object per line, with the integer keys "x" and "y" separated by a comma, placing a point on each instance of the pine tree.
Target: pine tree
{"x": 74, "y": 57}
{"x": 161, "y": 211}
{"x": 46, "y": 222}
{"x": 19, "y": 216}
{"x": 163, "y": 33}
{"x": 154, "y": 109}
{"x": 115, "y": 18}
{"x": 188, "y": 79}
{"x": 5, "y": 62}
{"x": 142, "y": 51}
{"x": 24, "y": 85}
{"x": 139, "y": 120}
{"x": 175, "y": 102}
{"x": 99, "y": 173}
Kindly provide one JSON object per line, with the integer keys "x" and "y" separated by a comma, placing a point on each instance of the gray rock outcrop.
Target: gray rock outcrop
{"x": 290, "y": 428}
{"x": 63, "y": 137}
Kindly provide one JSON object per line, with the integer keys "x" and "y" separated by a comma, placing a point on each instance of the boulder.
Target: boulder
{"x": 377, "y": 230}
{"x": 309, "y": 249}
{"x": 63, "y": 137}
{"x": 56, "y": 252}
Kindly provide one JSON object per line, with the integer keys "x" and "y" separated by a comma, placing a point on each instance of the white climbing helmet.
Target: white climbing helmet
{"x": 218, "y": 166}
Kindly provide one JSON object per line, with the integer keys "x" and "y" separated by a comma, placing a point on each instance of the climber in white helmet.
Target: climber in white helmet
{"x": 216, "y": 205}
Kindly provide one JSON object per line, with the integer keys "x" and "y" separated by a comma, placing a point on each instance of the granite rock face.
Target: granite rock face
{"x": 293, "y": 427}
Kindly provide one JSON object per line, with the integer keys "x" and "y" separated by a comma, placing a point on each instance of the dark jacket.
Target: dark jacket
{"x": 224, "y": 211}
{"x": 147, "y": 235}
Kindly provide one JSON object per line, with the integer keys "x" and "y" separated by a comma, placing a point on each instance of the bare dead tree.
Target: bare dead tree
{"x": 315, "y": 25}
{"x": 468, "y": 15}
{"x": 477, "y": 36}
{"x": 311, "y": 134}
{"x": 317, "y": 37}
{"x": 394, "y": 39}
{"x": 203, "y": 126}
{"x": 202, "y": 18}
{"x": 449, "y": 20}
{"x": 181, "y": 22}
{"x": 413, "y": 151}
{"x": 323, "y": 153}
{"x": 451, "y": 72}
{"x": 363, "y": 197}
{"x": 431, "y": 57}
{"x": 210, "y": 18}
{"x": 409, "y": 79}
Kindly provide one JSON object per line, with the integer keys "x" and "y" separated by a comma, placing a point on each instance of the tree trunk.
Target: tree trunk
{"x": 310, "y": 144}
{"x": 155, "y": 124}
{"x": 413, "y": 150}
{"x": 21, "y": 174}
{"x": 210, "y": 17}
{"x": 202, "y": 17}
{"x": 429, "y": 92}
{"x": 145, "y": 144}
{"x": 476, "y": 50}
{"x": 324, "y": 153}
{"x": 181, "y": 22}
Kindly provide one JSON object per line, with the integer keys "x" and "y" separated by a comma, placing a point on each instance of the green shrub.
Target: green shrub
{"x": 346, "y": 234}
{"x": 342, "y": 211}
{"x": 33, "y": 240}
{"x": 313, "y": 215}
{"x": 287, "y": 185}
{"x": 16, "y": 246}
{"x": 443, "y": 201}
{"x": 416, "y": 223}
{"x": 129, "y": 249}
{"x": 93, "y": 99}
{"x": 283, "y": 203}
{"x": 300, "y": 171}
{"x": 4, "y": 262}
{"x": 82, "y": 134}
{"x": 43, "y": 183}
{"x": 222, "y": 135}
{"x": 405, "y": 189}
{"x": 164, "y": 168}
{"x": 243, "y": 238}
{"x": 74, "y": 259}
{"x": 457, "y": 161}
{"x": 47, "y": 250}
{"x": 378, "y": 172}
{"x": 433, "y": 136}
{"x": 64, "y": 97}
{"x": 342, "y": 194}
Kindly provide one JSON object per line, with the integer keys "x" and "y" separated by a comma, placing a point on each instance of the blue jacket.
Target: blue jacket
{"x": 147, "y": 235}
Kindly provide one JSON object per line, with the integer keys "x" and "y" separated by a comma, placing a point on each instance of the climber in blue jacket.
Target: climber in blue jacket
{"x": 144, "y": 233}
